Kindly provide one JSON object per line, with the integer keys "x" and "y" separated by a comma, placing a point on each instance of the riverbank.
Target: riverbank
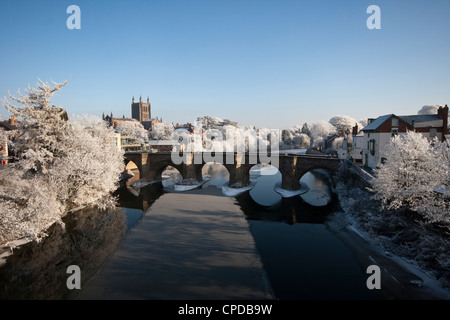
{"x": 400, "y": 279}
{"x": 416, "y": 255}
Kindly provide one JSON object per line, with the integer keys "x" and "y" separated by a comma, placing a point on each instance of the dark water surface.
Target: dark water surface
{"x": 301, "y": 256}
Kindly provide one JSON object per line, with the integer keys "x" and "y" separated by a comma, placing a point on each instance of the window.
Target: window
{"x": 394, "y": 122}
{"x": 394, "y": 132}
{"x": 432, "y": 133}
{"x": 372, "y": 146}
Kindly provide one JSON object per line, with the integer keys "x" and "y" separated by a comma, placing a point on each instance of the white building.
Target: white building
{"x": 356, "y": 152}
{"x": 379, "y": 131}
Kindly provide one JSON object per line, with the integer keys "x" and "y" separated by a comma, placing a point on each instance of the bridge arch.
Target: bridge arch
{"x": 162, "y": 166}
{"x": 217, "y": 171}
{"x": 329, "y": 171}
{"x": 292, "y": 167}
{"x": 171, "y": 175}
{"x": 132, "y": 168}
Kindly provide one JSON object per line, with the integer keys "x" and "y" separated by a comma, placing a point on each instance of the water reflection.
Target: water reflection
{"x": 319, "y": 193}
{"x": 263, "y": 192}
{"x": 38, "y": 270}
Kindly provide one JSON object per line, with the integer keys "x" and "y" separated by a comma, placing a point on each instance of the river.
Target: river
{"x": 201, "y": 244}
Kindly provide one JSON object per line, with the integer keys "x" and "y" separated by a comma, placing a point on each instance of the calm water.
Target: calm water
{"x": 303, "y": 259}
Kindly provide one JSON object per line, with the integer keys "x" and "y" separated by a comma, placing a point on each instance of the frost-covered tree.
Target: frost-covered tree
{"x": 207, "y": 122}
{"x": 61, "y": 165}
{"x": 305, "y": 129}
{"x": 133, "y": 129}
{"x": 321, "y": 129}
{"x": 337, "y": 143}
{"x": 295, "y": 138}
{"x": 362, "y": 123}
{"x": 162, "y": 131}
{"x": 429, "y": 109}
{"x": 416, "y": 175}
{"x": 343, "y": 124}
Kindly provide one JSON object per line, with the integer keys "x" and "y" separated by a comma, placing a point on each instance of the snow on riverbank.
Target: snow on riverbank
{"x": 398, "y": 273}
{"x": 413, "y": 249}
{"x": 291, "y": 193}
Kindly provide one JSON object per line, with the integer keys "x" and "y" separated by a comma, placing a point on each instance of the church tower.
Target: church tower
{"x": 141, "y": 111}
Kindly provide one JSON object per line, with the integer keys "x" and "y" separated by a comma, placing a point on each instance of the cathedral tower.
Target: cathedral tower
{"x": 141, "y": 111}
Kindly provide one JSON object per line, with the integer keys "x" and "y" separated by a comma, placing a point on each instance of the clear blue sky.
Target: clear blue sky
{"x": 272, "y": 64}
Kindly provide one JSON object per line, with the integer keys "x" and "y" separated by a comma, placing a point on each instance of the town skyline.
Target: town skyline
{"x": 265, "y": 64}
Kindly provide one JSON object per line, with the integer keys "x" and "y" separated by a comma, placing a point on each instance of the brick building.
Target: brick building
{"x": 378, "y": 132}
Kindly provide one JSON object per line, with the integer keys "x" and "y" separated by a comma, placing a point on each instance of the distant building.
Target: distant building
{"x": 141, "y": 111}
{"x": 115, "y": 122}
{"x": 187, "y": 126}
{"x": 5, "y": 151}
{"x": 378, "y": 132}
{"x": 163, "y": 145}
{"x": 150, "y": 124}
{"x": 129, "y": 144}
{"x": 356, "y": 151}
{"x": 8, "y": 125}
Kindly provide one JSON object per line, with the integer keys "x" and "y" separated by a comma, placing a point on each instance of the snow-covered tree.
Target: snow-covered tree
{"x": 337, "y": 143}
{"x": 429, "y": 109}
{"x": 133, "y": 129}
{"x": 343, "y": 124}
{"x": 207, "y": 122}
{"x": 162, "y": 131}
{"x": 305, "y": 129}
{"x": 321, "y": 129}
{"x": 362, "y": 123}
{"x": 295, "y": 138}
{"x": 61, "y": 165}
{"x": 416, "y": 175}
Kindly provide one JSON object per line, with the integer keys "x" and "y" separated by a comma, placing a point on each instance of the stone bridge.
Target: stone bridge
{"x": 291, "y": 166}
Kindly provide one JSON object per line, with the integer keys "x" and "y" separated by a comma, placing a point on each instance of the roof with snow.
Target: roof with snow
{"x": 411, "y": 120}
{"x": 377, "y": 122}
{"x": 419, "y": 118}
{"x": 162, "y": 142}
{"x": 7, "y": 125}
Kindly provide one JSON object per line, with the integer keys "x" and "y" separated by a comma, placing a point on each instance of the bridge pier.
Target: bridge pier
{"x": 290, "y": 178}
{"x": 192, "y": 171}
{"x": 239, "y": 174}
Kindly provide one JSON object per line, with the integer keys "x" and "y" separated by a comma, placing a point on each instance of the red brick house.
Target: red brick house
{"x": 379, "y": 131}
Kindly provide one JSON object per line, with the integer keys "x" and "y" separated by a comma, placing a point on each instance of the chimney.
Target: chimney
{"x": 12, "y": 120}
{"x": 355, "y": 130}
{"x": 443, "y": 114}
